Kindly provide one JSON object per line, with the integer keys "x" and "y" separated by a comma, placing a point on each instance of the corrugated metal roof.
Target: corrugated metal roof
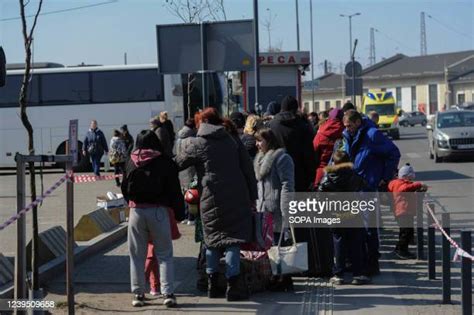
{"x": 399, "y": 66}
{"x": 417, "y": 66}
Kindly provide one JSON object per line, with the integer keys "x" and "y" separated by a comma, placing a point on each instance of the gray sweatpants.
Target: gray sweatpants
{"x": 154, "y": 222}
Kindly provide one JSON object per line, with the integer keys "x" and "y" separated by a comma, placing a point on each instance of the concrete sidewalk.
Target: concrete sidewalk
{"x": 103, "y": 287}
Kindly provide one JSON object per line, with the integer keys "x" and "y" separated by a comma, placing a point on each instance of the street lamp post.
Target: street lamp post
{"x": 350, "y": 16}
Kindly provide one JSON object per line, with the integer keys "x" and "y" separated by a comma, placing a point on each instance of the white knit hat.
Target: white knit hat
{"x": 406, "y": 171}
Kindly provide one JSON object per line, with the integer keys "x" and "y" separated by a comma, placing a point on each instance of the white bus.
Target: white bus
{"x": 112, "y": 95}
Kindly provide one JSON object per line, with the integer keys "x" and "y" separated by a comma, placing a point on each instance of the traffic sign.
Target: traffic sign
{"x": 357, "y": 87}
{"x": 357, "y": 69}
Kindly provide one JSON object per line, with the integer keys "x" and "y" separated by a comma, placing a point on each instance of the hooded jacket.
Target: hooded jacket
{"x": 323, "y": 145}
{"x": 275, "y": 182}
{"x": 167, "y": 192}
{"x": 403, "y": 196}
{"x": 341, "y": 178}
{"x": 186, "y": 176}
{"x": 295, "y": 135}
{"x": 226, "y": 184}
{"x": 375, "y": 157}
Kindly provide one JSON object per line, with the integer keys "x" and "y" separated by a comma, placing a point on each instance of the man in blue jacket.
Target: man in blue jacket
{"x": 95, "y": 145}
{"x": 375, "y": 158}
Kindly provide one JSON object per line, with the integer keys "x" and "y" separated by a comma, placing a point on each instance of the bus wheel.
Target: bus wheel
{"x": 83, "y": 164}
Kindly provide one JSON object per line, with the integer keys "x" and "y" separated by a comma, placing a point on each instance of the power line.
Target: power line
{"x": 62, "y": 11}
{"x": 449, "y": 27}
{"x": 393, "y": 39}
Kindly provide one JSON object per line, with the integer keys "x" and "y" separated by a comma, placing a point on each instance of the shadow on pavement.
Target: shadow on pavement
{"x": 439, "y": 175}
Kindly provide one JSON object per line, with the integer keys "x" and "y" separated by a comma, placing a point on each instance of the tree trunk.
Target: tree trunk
{"x": 23, "y": 102}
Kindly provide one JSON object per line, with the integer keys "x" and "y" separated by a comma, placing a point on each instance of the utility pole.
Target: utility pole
{"x": 256, "y": 53}
{"x": 350, "y": 29}
{"x": 297, "y": 27}
{"x": 372, "y": 59}
{"x": 125, "y": 58}
{"x": 312, "y": 50}
{"x": 423, "y": 48}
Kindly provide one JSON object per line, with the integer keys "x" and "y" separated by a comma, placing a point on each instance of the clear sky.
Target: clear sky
{"x": 102, "y": 34}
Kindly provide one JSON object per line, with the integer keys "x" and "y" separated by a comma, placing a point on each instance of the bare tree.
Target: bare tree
{"x": 195, "y": 11}
{"x": 23, "y": 102}
{"x": 267, "y": 23}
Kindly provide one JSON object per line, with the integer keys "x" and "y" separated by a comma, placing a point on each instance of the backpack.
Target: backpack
{"x": 143, "y": 183}
{"x": 118, "y": 152}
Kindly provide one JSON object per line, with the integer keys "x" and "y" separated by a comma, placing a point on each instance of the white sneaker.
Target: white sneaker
{"x": 190, "y": 222}
{"x": 336, "y": 280}
{"x": 169, "y": 300}
{"x": 138, "y": 300}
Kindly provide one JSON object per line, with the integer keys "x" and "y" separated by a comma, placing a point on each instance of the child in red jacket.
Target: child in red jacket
{"x": 403, "y": 189}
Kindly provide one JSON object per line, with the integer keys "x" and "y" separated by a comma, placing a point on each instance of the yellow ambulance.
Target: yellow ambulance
{"x": 384, "y": 104}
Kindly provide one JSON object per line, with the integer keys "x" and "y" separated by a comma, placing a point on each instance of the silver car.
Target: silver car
{"x": 413, "y": 118}
{"x": 451, "y": 133}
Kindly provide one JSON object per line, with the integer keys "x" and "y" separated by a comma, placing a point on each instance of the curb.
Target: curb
{"x": 85, "y": 250}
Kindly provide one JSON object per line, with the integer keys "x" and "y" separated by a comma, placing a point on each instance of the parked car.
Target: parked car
{"x": 451, "y": 133}
{"x": 412, "y": 119}
{"x": 468, "y": 105}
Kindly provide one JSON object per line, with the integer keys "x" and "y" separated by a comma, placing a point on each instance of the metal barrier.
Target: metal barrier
{"x": 463, "y": 251}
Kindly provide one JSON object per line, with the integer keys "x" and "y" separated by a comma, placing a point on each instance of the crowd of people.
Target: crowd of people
{"x": 249, "y": 163}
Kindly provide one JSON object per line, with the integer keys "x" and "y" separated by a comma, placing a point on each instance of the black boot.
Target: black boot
{"x": 237, "y": 289}
{"x": 212, "y": 286}
{"x": 373, "y": 268}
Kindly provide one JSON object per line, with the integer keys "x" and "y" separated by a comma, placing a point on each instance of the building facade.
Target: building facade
{"x": 423, "y": 83}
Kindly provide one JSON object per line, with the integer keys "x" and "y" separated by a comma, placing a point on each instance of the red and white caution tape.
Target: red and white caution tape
{"x": 93, "y": 178}
{"x": 36, "y": 202}
{"x": 76, "y": 179}
{"x": 459, "y": 251}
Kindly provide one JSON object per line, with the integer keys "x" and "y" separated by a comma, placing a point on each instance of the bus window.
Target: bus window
{"x": 10, "y": 93}
{"x": 127, "y": 86}
{"x": 65, "y": 88}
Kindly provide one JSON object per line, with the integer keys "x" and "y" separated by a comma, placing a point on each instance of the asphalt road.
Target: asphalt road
{"x": 451, "y": 183}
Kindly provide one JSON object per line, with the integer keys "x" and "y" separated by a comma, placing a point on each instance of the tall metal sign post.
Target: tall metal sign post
{"x": 353, "y": 71}
{"x": 206, "y": 48}
{"x": 256, "y": 53}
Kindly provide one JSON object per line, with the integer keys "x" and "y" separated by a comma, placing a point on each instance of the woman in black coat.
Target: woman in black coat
{"x": 227, "y": 188}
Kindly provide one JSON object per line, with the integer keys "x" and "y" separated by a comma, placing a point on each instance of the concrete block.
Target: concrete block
{"x": 51, "y": 244}
{"x": 119, "y": 215}
{"x": 6, "y": 271}
{"x": 93, "y": 224}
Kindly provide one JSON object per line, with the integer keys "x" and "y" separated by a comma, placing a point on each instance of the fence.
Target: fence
{"x": 463, "y": 251}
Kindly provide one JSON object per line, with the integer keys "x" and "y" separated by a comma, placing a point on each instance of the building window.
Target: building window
{"x": 327, "y": 105}
{"x": 414, "y": 106}
{"x": 383, "y": 89}
{"x": 306, "y": 105}
{"x": 399, "y": 97}
{"x": 316, "y": 106}
{"x": 338, "y": 104}
{"x": 433, "y": 98}
{"x": 461, "y": 98}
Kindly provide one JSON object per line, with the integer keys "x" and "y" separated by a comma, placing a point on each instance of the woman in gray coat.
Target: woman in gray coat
{"x": 227, "y": 189}
{"x": 275, "y": 173}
